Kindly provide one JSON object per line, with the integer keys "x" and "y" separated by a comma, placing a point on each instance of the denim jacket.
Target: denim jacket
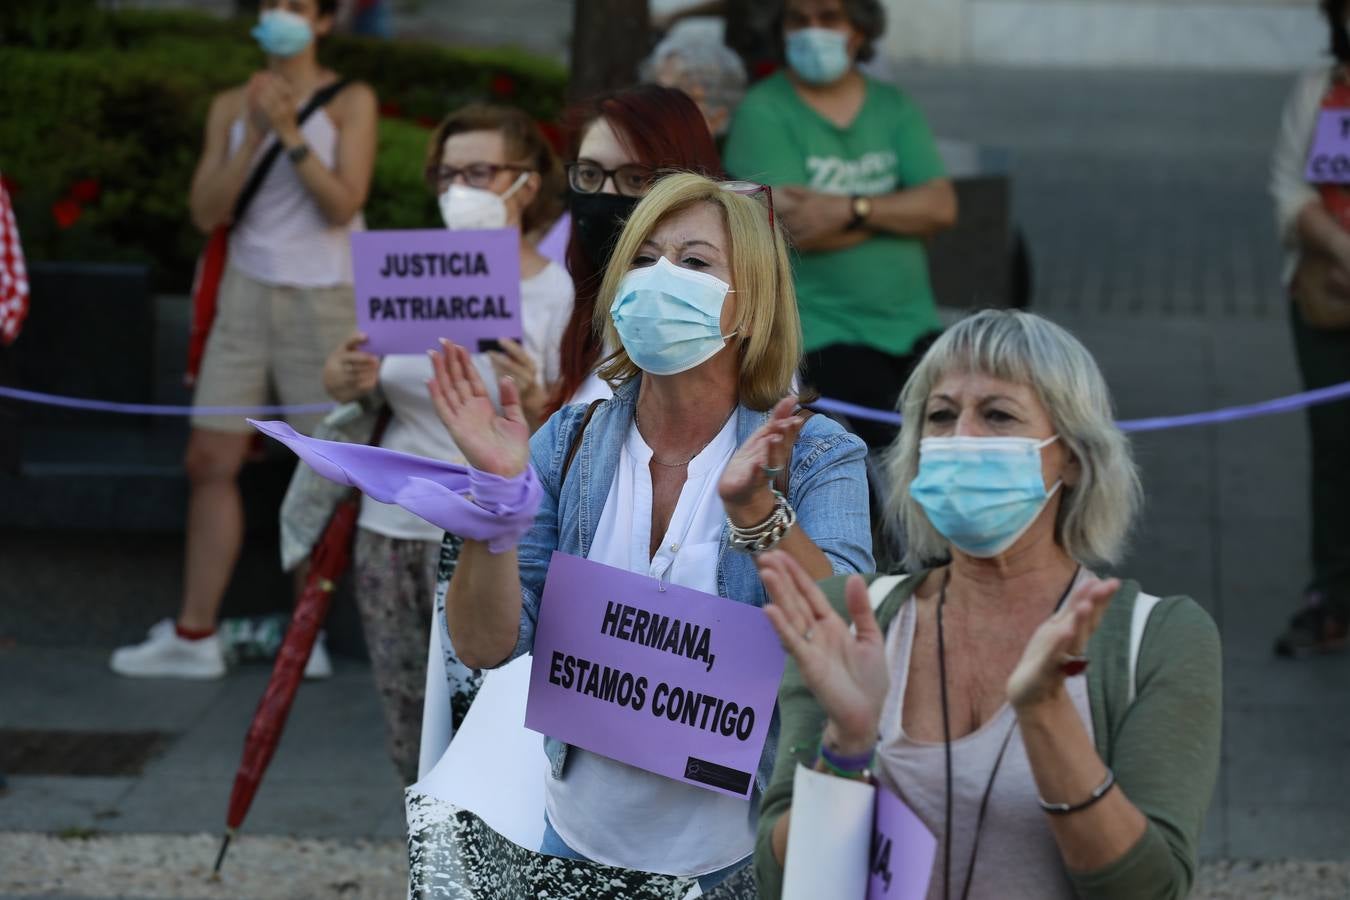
{"x": 827, "y": 486}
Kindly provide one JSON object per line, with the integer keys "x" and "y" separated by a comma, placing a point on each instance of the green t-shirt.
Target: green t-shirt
{"x": 876, "y": 293}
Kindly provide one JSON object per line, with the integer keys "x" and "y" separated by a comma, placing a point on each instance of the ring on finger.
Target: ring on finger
{"x": 806, "y": 635}
{"x": 771, "y": 472}
{"x": 1072, "y": 664}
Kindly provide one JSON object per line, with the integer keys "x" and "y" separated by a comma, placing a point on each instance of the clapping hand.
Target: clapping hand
{"x": 276, "y": 101}
{"x": 845, "y": 669}
{"x": 350, "y": 373}
{"x": 1039, "y": 676}
{"x": 745, "y": 479}
{"x": 515, "y": 363}
{"x": 499, "y": 444}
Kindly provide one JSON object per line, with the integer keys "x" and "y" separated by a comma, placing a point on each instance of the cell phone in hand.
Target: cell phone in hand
{"x": 490, "y": 345}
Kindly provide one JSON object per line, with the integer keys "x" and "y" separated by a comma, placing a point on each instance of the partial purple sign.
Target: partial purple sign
{"x": 662, "y": 677}
{"x": 413, "y": 287}
{"x": 902, "y": 852}
{"x": 1329, "y": 155}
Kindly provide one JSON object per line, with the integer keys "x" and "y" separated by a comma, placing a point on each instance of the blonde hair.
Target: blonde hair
{"x": 766, "y": 304}
{"x": 1095, "y": 515}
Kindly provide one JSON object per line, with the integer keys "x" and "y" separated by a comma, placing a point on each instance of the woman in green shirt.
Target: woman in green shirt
{"x": 969, "y": 692}
{"x": 858, "y": 183}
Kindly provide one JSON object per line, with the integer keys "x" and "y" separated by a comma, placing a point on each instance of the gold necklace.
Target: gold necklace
{"x": 679, "y": 465}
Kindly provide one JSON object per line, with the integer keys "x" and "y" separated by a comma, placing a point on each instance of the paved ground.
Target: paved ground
{"x": 1142, "y": 195}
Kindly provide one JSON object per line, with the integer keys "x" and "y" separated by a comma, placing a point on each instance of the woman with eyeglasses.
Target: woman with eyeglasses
{"x": 490, "y": 167}
{"x": 622, "y": 140}
{"x": 698, "y": 460}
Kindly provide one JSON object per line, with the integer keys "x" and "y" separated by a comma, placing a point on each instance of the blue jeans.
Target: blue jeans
{"x": 554, "y": 845}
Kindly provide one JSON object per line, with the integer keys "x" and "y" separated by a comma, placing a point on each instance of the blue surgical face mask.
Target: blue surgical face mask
{"x": 282, "y": 33}
{"x": 818, "y": 55}
{"x": 981, "y": 493}
{"x": 668, "y": 318}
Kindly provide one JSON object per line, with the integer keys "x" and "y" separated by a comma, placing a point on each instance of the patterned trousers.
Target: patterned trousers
{"x": 399, "y": 601}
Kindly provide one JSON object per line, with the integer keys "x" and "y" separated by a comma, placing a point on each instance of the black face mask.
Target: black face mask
{"x": 597, "y": 222}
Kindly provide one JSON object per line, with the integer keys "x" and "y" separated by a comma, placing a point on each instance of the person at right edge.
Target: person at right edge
{"x": 859, "y": 185}
{"x": 1313, "y": 221}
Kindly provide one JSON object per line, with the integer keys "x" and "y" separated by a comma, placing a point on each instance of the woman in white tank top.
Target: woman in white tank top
{"x": 284, "y": 299}
{"x": 491, "y": 168}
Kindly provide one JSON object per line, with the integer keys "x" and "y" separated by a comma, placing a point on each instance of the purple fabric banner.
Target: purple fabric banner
{"x": 1329, "y": 155}
{"x": 460, "y": 499}
{"x": 902, "y": 851}
{"x": 413, "y": 287}
{"x": 554, "y": 244}
{"x": 662, "y": 677}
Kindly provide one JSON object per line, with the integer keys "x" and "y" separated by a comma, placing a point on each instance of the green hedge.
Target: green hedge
{"x": 101, "y": 118}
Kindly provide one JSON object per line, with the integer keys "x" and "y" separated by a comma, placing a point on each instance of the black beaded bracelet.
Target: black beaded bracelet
{"x": 1064, "y": 809}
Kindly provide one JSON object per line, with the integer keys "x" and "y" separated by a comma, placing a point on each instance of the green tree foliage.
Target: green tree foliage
{"x": 101, "y": 117}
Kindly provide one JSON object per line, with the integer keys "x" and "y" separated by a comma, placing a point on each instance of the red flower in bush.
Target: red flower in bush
{"x": 86, "y": 190}
{"x": 763, "y": 69}
{"x": 10, "y": 185}
{"x": 427, "y": 122}
{"x": 66, "y": 212}
{"x": 390, "y": 110}
{"x": 503, "y": 85}
{"x": 553, "y": 134}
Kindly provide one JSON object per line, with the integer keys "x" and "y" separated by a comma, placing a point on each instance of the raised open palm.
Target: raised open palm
{"x": 845, "y": 669}
{"x": 769, "y": 447}
{"x": 499, "y": 444}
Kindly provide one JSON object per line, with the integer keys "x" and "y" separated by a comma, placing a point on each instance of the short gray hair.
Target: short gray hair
{"x": 707, "y": 63}
{"x": 1096, "y": 514}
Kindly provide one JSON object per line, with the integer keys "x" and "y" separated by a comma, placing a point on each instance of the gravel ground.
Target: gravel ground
{"x": 173, "y": 867}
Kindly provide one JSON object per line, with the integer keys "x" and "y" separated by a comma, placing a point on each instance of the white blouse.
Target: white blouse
{"x": 612, "y": 812}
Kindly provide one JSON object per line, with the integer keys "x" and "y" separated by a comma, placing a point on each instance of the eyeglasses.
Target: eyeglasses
{"x": 478, "y": 174}
{"x": 751, "y": 189}
{"x": 631, "y": 180}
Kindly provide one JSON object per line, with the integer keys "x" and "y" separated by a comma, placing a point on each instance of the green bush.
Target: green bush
{"x": 101, "y": 118}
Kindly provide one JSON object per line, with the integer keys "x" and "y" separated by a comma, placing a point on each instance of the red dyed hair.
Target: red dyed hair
{"x": 662, "y": 128}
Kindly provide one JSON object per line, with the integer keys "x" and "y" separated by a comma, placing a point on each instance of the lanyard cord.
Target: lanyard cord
{"x": 947, "y": 753}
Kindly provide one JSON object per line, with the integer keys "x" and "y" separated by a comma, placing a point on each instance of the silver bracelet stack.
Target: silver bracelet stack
{"x": 767, "y": 534}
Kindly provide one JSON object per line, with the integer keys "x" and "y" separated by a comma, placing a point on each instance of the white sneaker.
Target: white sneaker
{"x": 166, "y": 655}
{"x": 319, "y": 665}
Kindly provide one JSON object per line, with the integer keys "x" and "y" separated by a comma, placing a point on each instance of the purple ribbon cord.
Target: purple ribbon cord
{"x": 1290, "y": 403}
{"x": 153, "y": 409}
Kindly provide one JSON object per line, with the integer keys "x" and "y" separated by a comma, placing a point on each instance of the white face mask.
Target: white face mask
{"x": 467, "y": 208}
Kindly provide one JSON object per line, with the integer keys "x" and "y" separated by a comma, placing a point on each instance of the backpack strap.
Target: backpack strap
{"x": 251, "y": 187}
{"x": 576, "y": 439}
{"x": 1143, "y": 608}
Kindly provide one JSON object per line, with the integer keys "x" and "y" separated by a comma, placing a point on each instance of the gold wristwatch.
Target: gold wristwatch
{"x": 862, "y": 208}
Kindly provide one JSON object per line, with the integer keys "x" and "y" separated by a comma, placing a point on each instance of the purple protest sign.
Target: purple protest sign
{"x": 662, "y": 677}
{"x": 413, "y": 287}
{"x": 902, "y": 852}
{"x": 1329, "y": 155}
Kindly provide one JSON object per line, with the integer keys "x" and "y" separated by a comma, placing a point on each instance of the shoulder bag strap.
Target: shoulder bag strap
{"x": 576, "y": 439}
{"x": 881, "y": 588}
{"x": 255, "y": 178}
{"x": 1143, "y": 608}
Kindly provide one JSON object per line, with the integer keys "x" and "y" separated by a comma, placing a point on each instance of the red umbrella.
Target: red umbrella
{"x": 327, "y": 562}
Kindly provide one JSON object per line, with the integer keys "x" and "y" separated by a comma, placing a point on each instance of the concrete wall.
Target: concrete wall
{"x": 1208, "y": 34}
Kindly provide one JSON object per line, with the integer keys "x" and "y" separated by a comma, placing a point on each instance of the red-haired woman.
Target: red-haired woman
{"x": 622, "y": 141}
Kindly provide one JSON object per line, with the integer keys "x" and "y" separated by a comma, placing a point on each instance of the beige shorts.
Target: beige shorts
{"x": 268, "y": 343}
